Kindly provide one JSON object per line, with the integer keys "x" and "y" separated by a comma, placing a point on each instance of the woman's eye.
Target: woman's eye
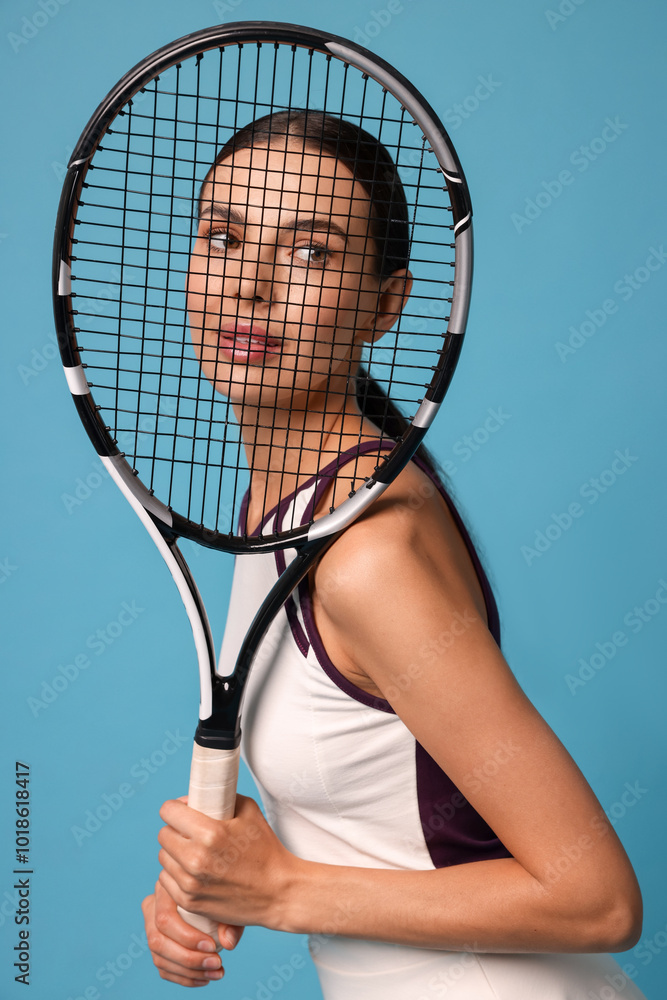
{"x": 221, "y": 241}
{"x": 313, "y": 255}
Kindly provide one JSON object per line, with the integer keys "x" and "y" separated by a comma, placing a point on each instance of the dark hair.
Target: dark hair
{"x": 370, "y": 164}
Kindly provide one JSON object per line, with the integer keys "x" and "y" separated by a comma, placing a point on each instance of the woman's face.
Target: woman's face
{"x": 281, "y": 285}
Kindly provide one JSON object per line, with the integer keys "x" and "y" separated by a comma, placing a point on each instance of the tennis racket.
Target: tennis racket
{"x": 190, "y": 386}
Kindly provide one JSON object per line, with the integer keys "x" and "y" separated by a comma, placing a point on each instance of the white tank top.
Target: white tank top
{"x": 343, "y": 781}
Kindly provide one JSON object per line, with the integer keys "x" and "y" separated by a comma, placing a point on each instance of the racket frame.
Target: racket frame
{"x": 217, "y": 741}
{"x": 381, "y": 71}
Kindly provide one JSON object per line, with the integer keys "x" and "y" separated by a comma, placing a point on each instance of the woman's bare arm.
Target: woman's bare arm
{"x": 400, "y": 584}
{"x": 383, "y": 597}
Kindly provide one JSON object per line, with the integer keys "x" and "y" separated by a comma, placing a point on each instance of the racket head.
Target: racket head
{"x": 123, "y": 253}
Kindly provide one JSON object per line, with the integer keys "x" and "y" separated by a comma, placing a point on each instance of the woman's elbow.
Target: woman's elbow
{"x": 599, "y": 914}
{"x": 625, "y": 925}
{"x": 618, "y": 925}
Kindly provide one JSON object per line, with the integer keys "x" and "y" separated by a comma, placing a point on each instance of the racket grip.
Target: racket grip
{"x": 213, "y": 780}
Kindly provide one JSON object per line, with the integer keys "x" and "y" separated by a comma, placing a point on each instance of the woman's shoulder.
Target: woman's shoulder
{"x": 408, "y": 542}
{"x": 410, "y": 530}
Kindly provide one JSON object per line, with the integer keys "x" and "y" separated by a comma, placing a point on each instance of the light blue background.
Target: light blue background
{"x": 66, "y": 574}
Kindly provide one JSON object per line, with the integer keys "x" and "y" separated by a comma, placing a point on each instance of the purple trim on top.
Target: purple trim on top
{"x": 340, "y": 680}
{"x": 454, "y": 831}
{"x": 332, "y": 672}
{"x": 323, "y": 479}
{"x": 345, "y": 456}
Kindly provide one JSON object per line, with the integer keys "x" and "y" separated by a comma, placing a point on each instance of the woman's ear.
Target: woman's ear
{"x": 394, "y": 292}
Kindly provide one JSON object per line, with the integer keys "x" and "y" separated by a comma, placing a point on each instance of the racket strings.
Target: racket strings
{"x": 150, "y": 290}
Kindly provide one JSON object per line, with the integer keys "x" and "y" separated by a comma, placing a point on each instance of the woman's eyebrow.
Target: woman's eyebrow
{"x": 225, "y": 212}
{"x": 307, "y": 223}
{"x": 316, "y": 223}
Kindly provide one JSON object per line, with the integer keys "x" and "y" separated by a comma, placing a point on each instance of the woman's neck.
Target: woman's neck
{"x": 285, "y": 448}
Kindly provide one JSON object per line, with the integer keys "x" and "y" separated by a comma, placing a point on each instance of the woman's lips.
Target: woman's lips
{"x": 246, "y": 344}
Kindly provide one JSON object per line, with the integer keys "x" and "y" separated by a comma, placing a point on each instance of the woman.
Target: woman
{"x": 428, "y": 829}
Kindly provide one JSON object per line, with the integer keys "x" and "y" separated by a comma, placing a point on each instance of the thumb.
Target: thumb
{"x": 229, "y": 935}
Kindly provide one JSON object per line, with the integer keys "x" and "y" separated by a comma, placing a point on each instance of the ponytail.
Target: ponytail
{"x": 377, "y": 407}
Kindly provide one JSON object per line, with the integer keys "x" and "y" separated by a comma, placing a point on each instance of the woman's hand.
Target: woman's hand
{"x": 233, "y": 871}
{"x": 181, "y": 953}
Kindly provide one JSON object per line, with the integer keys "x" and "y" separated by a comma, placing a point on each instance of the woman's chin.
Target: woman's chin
{"x": 273, "y": 388}
{"x": 243, "y": 391}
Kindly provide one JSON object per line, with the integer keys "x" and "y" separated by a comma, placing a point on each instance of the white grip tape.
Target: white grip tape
{"x": 213, "y": 780}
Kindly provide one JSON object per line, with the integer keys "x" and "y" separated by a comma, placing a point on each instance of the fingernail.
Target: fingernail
{"x": 211, "y": 963}
{"x": 206, "y": 946}
{"x": 231, "y": 939}
{"x": 214, "y": 975}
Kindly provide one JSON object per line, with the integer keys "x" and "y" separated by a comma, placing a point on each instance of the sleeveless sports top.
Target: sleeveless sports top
{"x": 342, "y": 779}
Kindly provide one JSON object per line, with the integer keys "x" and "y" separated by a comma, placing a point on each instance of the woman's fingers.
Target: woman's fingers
{"x": 230, "y": 935}
{"x": 181, "y": 953}
{"x": 170, "y": 923}
{"x": 177, "y": 974}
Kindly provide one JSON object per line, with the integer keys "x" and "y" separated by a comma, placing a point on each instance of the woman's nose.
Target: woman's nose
{"x": 256, "y": 276}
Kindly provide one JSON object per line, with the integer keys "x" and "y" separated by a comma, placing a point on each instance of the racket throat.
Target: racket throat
{"x": 222, "y": 729}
